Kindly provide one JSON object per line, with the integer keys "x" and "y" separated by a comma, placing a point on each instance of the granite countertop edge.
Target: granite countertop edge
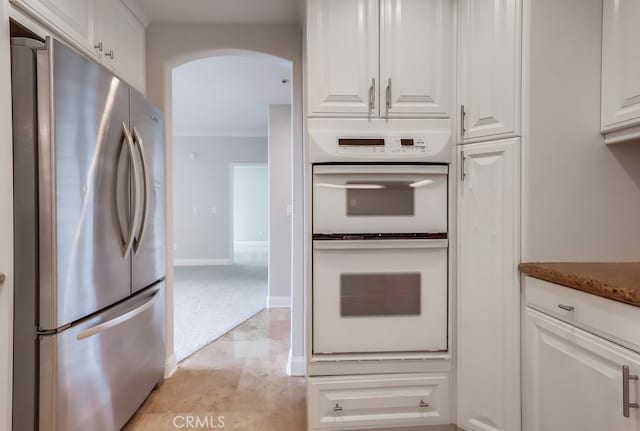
{"x": 599, "y": 286}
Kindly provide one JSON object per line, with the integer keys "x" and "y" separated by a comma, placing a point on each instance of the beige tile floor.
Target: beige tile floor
{"x": 240, "y": 376}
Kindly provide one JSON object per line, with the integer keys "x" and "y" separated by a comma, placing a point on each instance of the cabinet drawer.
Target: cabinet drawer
{"x": 612, "y": 320}
{"x": 356, "y": 402}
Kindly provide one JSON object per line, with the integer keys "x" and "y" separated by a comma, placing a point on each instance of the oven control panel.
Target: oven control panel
{"x": 383, "y": 146}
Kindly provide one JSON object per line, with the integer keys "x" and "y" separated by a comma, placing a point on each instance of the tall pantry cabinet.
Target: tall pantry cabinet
{"x": 488, "y": 250}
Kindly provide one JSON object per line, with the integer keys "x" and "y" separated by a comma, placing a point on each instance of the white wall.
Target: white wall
{"x": 172, "y": 44}
{"x": 584, "y": 196}
{"x": 250, "y": 211}
{"x": 201, "y": 185}
{"x": 280, "y": 199}
{"x": 6, "y": 222}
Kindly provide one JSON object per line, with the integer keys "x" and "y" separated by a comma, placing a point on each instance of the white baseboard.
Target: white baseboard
{"x": 170, "y": 365}
{"x": 252, "y": 243}
{"x": 278, "y": 301}
{"x": 202, "y": 262}
{"x": 296, "y": 365}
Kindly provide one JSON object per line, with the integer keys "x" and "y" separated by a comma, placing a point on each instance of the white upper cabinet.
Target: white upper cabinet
{"x": 74, "y": 19}
{"x": 415, "y": 58}
{"x": 106, "y": 29}
{"x": 342, "y": 57}
{"x": 489, "y": 77}
{"x": 620, "y": 68}
{"x": 575, "y": 380}
{"x": 120, "y": 41}
{"x": 379, "y": 58}
{"x": 488, "y": 294}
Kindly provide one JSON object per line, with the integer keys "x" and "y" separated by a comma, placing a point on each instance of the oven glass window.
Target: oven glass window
{"x": 380, "y": 198}
{"x": 388, "y": 294}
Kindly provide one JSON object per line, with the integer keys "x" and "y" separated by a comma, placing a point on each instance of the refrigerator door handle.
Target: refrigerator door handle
{"x": 145, "y": 175}
{"x": 128, "y": 243}
{"x": 117, "y": 320}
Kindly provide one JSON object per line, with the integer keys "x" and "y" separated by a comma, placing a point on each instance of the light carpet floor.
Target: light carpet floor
{"x": 211, "y": 300}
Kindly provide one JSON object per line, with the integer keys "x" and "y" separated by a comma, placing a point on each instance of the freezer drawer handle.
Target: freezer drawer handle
{"x": 145, "y": 176}
{"x": 117, "y": 320}
{"x": 134, "y": 197}
{"x": 626, "y": 405}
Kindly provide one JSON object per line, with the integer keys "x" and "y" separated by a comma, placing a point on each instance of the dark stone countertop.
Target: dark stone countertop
{"x": 617, "y": 281}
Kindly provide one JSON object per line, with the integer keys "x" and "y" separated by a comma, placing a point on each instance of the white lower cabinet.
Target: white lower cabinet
{"x": 378, "y": 401}
{"x": 575, "y": 381}
{"x": 488, "y": 294}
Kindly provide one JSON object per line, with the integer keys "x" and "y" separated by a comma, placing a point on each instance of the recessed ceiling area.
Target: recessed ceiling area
{"x": 223, "y": 11}
{"x": 228, "y": 95}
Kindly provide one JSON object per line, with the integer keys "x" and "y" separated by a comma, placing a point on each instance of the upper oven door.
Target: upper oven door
{"x": 361, "y": 199}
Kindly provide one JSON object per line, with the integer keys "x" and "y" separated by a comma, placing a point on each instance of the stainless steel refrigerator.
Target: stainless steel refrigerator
{"x": 89, "y": 186}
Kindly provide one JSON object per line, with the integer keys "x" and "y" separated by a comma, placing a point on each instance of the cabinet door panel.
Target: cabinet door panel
{"x": 620, "y": 64}
{"x": 573, "y": 380}
{"x": 489, "y": 74}
{"x": 488, "y": 300}
{"x": 415, "y": 56}
{"x": 121, "y": 32}
{"x": 343, "y": 57}
{"x": 73, "y": 18}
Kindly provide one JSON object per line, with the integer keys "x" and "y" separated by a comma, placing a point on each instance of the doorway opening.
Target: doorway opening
{"x": 232, "y": 191}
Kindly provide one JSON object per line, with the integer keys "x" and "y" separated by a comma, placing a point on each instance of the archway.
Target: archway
{"x": 162, "y": 95}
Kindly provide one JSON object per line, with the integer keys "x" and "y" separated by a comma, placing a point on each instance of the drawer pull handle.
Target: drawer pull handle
{"x": 626, "y": 404}
{"x": 337, "y": 408}
{"x": 423, "y": 404}
{"x": 566, "y": 307}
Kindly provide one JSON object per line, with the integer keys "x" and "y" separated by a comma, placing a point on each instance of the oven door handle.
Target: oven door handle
{"x": 381, "y": 169}
{"x": 388, "y": 244}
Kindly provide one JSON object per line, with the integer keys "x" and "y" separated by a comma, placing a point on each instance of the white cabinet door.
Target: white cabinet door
{"x": 72, "y": 18}
{"x": 342, "y": 52}
{"x": 489, "y": 69}
{"x": 415, "y": 58}
{"x": 620, "y": 64}
{"x": 123, "y": 42}
{"x": 574, "y": 380}
{"x": 488, "y": 295}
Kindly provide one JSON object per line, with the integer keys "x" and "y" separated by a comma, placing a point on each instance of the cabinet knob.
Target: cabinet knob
{"x": 2, "y": 277}
{"x": 566, "y": 307}
{"x": 98, "y": 46}
{"x": 337, "y": 408}
{"x": 423, "y": 404}
{"x": 109, "y": 54}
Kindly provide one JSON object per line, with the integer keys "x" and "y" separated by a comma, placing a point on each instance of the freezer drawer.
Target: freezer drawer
{"x": 379, "y": 296}
{"x": 95, "y": 375}
{"x": 379, "y": 199}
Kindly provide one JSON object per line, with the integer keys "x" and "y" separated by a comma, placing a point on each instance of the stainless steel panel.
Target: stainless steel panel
{"x": 96, "y": 374}
{"x": 25, "y": 231}
{"x": 81, "y": 110}
{"x": 149, "y": 249}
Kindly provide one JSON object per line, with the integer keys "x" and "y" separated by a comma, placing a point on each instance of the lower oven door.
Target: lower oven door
{"x": 379, "y": 296}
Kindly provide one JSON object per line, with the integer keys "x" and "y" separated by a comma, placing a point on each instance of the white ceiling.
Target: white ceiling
{"x": 222, "y": 11}
{"x": 227, "y": 95}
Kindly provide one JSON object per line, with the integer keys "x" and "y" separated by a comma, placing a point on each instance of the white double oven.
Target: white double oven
{"x": 380, "y": 236}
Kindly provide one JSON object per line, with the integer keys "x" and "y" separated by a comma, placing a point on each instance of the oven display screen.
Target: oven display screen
{"x": 383, "y": 294}
{"x": 380, "y": 198}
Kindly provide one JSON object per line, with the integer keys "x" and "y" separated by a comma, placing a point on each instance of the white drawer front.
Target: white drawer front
{"x": 379, "y": 199}
{"x": 613, "y": 320}
{"x": 344, "y": 403}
